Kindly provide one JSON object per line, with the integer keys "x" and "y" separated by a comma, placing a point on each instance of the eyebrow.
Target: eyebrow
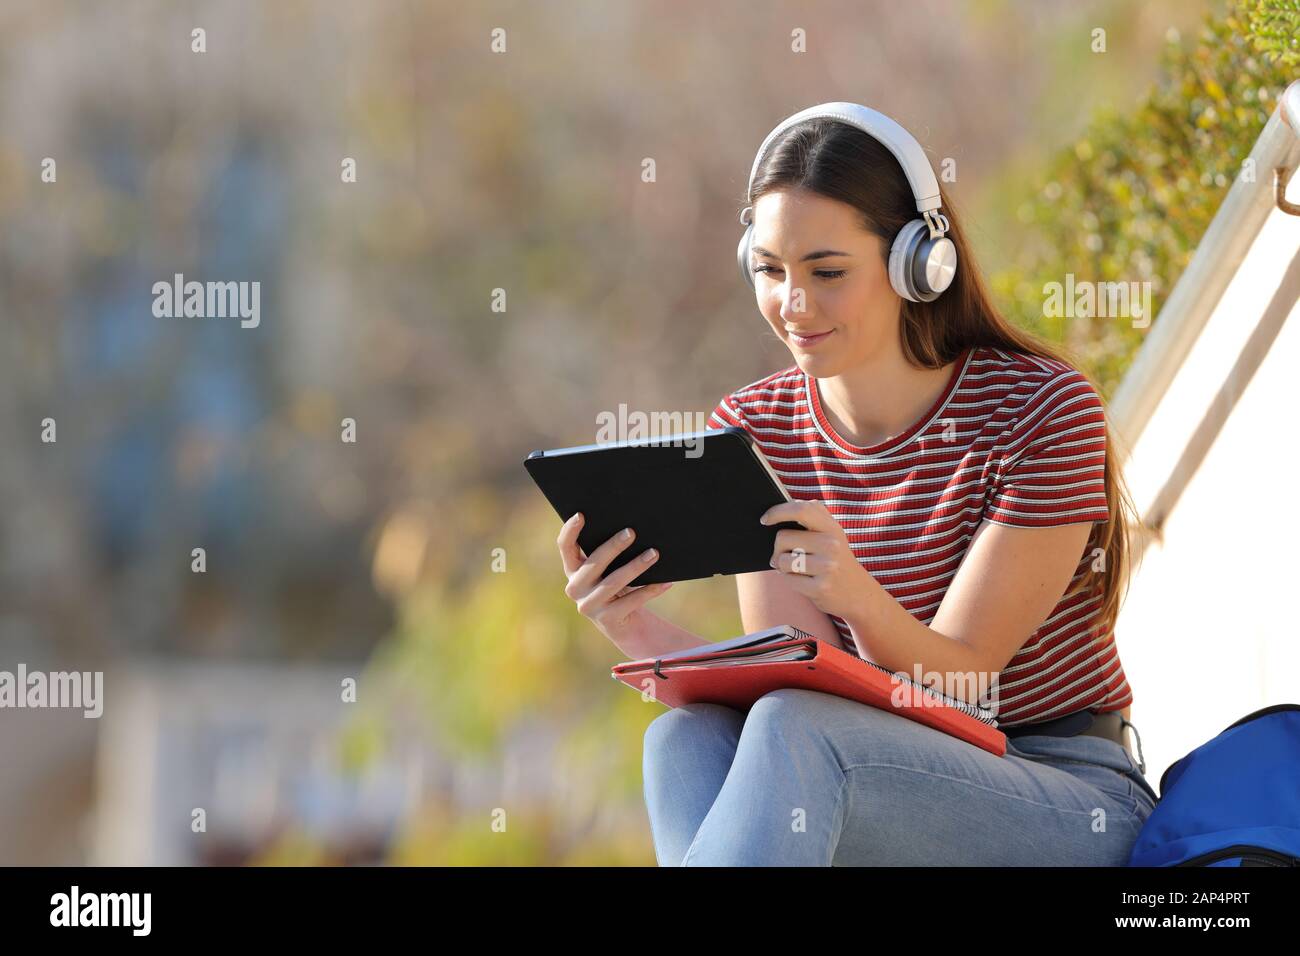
{"x": 819, "y": 254}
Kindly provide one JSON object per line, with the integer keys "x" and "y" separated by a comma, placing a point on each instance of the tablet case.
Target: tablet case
{"x": 829, "y": 669}
{"x": 697, "y": 505}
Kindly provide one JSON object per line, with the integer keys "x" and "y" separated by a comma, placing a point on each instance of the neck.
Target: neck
{"x": 880, "y": 398}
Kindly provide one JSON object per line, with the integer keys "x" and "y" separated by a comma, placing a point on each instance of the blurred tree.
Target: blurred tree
{"x": 1131, "y": 198}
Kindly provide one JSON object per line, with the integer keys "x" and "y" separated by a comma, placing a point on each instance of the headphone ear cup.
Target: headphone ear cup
{"x": 934, "y": 266}
{"x": 916, "y": 261}
{"x": 901, "y": 256}
{"x": 742, "y": 256}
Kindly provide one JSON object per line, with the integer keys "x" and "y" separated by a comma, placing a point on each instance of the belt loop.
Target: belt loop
{"x": 1142, "y": 764}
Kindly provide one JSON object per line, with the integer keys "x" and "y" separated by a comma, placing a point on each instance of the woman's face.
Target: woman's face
{"x": 845, "y": 291}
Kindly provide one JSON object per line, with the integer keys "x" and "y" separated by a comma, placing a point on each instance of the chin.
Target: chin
{"x": 818, "y": 366}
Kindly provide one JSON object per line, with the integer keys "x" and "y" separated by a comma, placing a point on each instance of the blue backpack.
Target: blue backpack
{"x": 1233, "y": 801}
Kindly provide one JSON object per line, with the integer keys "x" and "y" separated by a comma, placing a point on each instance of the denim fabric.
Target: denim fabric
{"x": 811, "y": 779}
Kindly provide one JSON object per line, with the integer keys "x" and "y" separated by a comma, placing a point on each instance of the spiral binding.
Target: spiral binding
{"x": 982, "y": 714}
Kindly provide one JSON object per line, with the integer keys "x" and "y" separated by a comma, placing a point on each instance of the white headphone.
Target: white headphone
{"x": 922, "y": 260}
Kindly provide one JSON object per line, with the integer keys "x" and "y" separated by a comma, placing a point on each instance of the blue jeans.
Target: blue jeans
{"x": 811, "y": 779}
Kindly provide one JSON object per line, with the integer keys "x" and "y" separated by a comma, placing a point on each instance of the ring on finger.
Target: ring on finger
{"x": 793, "y": 567}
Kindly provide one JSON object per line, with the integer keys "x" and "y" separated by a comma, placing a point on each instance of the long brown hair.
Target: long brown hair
{"x": 842, "y": 162}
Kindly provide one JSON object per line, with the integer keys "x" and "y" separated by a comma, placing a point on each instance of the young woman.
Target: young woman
{"x": 963, "y": 518}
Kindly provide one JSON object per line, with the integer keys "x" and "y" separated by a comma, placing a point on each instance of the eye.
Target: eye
{"x": 821, "y": 273}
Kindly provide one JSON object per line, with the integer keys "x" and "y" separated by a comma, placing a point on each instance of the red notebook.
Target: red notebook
{"x": 738, "y": 671}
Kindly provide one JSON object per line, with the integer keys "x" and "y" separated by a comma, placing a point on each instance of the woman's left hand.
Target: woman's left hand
{"x": 817, "y": 562}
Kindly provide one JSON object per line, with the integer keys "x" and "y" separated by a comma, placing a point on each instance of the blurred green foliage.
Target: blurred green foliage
{"x": 1131, "y": 198}
{"x": 505, "y": 655}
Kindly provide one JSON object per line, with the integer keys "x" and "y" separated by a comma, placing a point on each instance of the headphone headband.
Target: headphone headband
{"x": 922, "y": 259}
{"x": 908, "y": 152}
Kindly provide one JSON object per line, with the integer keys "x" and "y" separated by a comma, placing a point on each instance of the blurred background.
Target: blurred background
{"x": 418, "y": 560}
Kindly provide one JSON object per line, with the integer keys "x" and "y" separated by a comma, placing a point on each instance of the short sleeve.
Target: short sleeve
{"x": 1052, "y": 470}
{"x": 727, "y": 415}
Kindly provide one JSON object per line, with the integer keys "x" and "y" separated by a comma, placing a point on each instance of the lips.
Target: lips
{"x": 808, "y": 339}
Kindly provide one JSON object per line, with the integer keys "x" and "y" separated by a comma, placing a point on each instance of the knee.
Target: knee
{"x": 676, "y": 727}
{"x": 784, "y": 709}
{"x": 809, "y": 721}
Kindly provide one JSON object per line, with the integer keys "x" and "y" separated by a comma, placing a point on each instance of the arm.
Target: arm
{"x": 1009, "y": 581}
{"x": 766, "y": 600}
{"x": 1050, "y": 489}
{"x": 655, "y": 637}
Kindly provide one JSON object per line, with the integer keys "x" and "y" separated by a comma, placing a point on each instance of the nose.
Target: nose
{"x": 794, "y": 301}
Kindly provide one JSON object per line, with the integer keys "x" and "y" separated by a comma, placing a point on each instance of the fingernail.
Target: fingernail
{"x": 772, "y": 563}
{"x": 763, "y": 520}
{"x": 627, "y": 533}
{"x": 649, "y": 555}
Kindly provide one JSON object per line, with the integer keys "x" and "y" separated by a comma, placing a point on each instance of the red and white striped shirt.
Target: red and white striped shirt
{"x": 1015, "y": 439}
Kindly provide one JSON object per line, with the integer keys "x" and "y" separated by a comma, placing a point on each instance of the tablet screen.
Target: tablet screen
{"x": 696, "y": 497}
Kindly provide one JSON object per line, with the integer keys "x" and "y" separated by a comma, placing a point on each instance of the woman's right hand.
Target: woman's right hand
{"x": 611, "y": 604}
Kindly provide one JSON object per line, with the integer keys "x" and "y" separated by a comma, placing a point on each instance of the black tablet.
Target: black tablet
{"x": 696, "y": 497}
